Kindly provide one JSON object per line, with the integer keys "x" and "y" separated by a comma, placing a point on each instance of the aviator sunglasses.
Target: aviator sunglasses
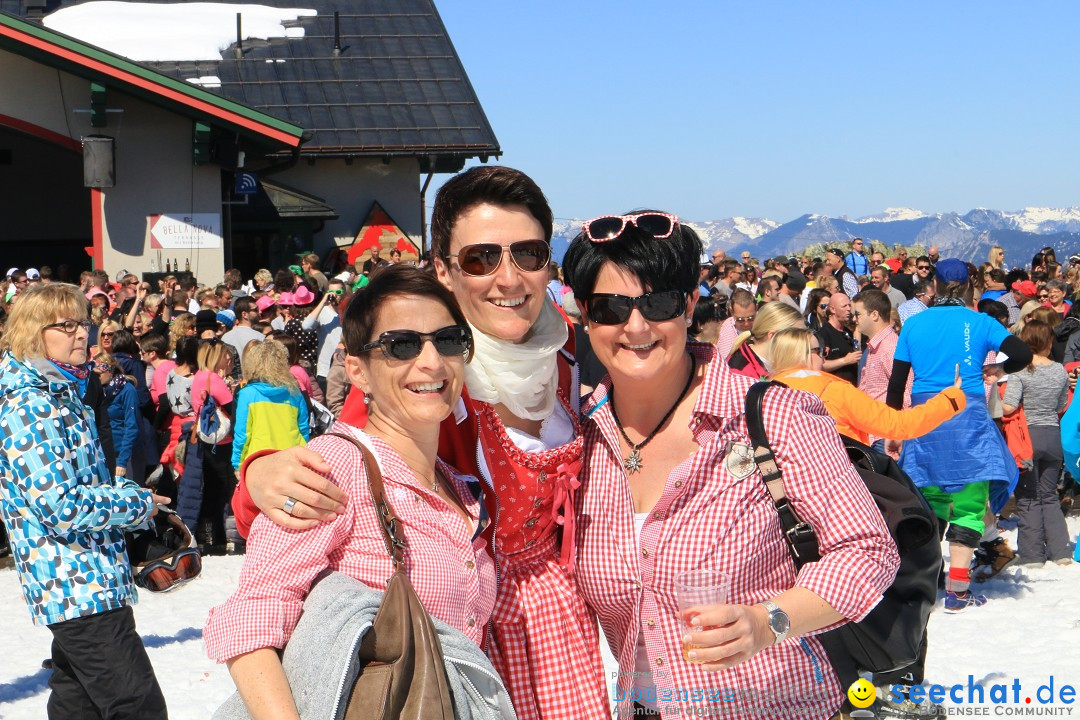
{"x": 611, "y": 309}
{"x": 449, "y": 341}
{"x": 608, "y": 227}
{"x": 484, "y": 258}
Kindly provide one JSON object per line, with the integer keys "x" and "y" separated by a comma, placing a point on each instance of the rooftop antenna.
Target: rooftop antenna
{"x": 337, "y": 34}
{"x": 239, "y": 52}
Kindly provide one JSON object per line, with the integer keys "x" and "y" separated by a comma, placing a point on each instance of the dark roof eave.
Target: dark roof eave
{"x": 399, "y": 151}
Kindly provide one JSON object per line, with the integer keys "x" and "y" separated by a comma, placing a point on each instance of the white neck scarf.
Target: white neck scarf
{"x": 522, "y": 376}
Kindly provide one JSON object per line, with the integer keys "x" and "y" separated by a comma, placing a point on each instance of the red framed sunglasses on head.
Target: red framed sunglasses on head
{"x": 609, "y": 227}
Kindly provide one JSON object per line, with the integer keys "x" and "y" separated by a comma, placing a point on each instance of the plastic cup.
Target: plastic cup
{"x": 694, "y": 591}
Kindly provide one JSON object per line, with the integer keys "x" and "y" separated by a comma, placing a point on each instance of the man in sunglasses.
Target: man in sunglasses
{"x": 842, "y": 352}
{"x": 923, "y": 299}
{"x": 856, "y": 260}
{"x": 743, "y": 310}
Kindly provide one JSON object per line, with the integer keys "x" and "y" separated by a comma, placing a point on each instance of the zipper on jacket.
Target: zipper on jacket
{"x": 348, "y": 669}
{"x": 495, "y": 677}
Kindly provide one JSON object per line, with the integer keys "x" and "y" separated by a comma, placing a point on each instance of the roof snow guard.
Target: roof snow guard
{"x": 40, "y": 44}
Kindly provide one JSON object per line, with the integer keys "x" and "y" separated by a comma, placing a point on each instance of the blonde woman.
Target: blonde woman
{"x": 270, "y": 409}
{"x": 182, "y": 325}
{"x": 749, "y": 353}
{"x": 105, "y": 333}
{"x": 218, "y": 479}
{"x": 795, "y": 355}
{"x": 997, "y": 257}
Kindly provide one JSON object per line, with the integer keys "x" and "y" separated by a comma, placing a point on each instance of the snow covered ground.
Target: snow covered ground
{"x": 1029, "y": 631}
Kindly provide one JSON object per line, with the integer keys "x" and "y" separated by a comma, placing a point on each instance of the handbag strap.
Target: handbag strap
{"x": 800, "y": 536}
{"x": 388, "y": 519}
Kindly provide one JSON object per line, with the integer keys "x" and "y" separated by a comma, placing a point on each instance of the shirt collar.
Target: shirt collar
{"x": 881, "y": 335}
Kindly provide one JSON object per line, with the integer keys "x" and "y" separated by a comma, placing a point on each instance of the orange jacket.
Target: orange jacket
{"x": 858, "y": 415}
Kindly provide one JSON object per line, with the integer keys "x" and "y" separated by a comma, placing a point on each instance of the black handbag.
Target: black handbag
{"x": 892, "y": 635}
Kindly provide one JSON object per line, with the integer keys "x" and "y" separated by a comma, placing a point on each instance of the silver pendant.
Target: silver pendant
{"x": 740, "y": 460}
{"x": 633, "y": 463}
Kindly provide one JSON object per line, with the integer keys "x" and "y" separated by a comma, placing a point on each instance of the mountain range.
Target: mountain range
{"x": 1021, "y": 233}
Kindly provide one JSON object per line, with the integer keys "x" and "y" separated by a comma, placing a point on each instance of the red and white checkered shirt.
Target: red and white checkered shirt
{"x": 709, "y": 518}
{"x": 874, "y": 379}
{"x": 726, "y": 338}
{"x": 453, "y": 575}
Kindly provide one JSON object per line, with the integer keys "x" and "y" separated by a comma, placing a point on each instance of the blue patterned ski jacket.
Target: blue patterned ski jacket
{"x": 64, "y": 511}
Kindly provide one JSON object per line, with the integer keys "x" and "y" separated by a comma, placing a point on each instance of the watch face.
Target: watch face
{"x": 779, "y": 622}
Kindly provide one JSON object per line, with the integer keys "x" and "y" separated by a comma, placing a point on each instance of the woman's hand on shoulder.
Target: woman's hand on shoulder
{"x": 732, "y": 635}
{"x": 296, "y": 473}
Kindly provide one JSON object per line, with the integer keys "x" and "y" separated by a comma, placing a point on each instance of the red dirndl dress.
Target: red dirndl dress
{"x": 543, "y": 640}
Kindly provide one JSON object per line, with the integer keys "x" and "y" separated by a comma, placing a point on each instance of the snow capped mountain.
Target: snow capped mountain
{"x": 968, "y": 236}
{"x": 892, "y": 214}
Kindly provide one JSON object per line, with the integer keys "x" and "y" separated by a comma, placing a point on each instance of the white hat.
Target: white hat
{"x": 32, "y": 274}
{"x": 120, "y": 275}
{"x": 343, "y": 276}
{"x": 11, "y": 272}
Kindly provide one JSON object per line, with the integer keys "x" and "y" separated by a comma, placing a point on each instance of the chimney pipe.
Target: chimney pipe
{"x": 239, "y": 39}
{"x": 337, "y": 34}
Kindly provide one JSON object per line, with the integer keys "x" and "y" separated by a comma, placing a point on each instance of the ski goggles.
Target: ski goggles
{"x": 611, "y": 309}
{"x": 449, "y": 341}
{"x": 484, "y": 258}
{"x": 608, "y": 227}
{"x": 181, "y": 563}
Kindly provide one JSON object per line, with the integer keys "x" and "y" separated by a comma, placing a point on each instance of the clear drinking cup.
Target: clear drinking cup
{"x": 694, "y": 591}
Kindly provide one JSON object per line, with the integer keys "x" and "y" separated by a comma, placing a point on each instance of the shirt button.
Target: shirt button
{"x": 650, "y": 623}
{"x": 472, "y": 622}
{"x": 658, "y": 516}
{"x": 678, "y": 483}
{"x": 531, "y": 521}
{"x": 538, "y": 502}
{"x": 644, "y": 552}
{"x": 659, "y": 661}
{"x": 470, "y": 564}
{"x": 542, "y": 477}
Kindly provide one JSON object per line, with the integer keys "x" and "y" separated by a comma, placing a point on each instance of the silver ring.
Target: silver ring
{"x": 290, "y": 503}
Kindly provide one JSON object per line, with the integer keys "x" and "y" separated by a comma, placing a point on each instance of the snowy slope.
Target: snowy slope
{"x": 1030, "y": 630}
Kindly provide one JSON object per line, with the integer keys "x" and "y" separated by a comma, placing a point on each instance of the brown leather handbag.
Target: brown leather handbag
{"x": 402, "y": 675}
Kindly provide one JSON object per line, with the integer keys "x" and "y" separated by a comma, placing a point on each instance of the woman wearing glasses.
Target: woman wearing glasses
{"x": 517, "y": 429}
{"x": 669, "y": 485}
{"x": 408, "y": 345}
{"x": 817, "y": 309}
{"x": 66, "y": 513}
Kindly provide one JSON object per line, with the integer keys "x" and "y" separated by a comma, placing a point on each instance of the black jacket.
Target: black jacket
{"x": 94, "y": 398}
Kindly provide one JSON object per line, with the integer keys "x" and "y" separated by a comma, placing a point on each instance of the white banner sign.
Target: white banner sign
{"x": 178, "y": 231}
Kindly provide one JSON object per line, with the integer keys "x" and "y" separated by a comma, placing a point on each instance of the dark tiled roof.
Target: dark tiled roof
{"x": 397, "y": 87}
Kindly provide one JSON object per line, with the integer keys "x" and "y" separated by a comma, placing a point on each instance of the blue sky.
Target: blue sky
{"x": 774, "y": 109}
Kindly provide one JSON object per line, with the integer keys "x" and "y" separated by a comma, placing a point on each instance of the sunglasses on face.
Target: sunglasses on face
{"x": 609, "y": 227}
{"x": 745, "y": 320}
{"x": 612, "y": 309}
{"x": 817, "y": 350}
{"x": 922, "y": 267}
{"x": 70, "y": 326}
{"x": 449, "y": 341}
{"x": 484, "y": 258}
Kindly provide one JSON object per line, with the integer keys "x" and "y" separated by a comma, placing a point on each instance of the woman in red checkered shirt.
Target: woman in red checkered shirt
{"x": 669, "y": 485}
{"x": 408, "y": 346}
{"x": 517, "y": 429}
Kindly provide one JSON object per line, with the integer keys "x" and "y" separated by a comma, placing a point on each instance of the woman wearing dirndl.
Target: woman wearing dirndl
{"x": 516, "y": 429}
{"x": 964, "y": 463}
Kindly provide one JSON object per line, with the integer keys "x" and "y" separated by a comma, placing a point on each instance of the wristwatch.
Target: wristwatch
{"x": 779, "y": 622}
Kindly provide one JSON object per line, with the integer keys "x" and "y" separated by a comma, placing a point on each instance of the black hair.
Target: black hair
{"x": 995, "y": 309}
{"x": 187, "y": 351}
{"x": 153, "y": 342}
{"x": 124, "y": 342}
{"x": 1015, "y": 276}
{"x": 705, "y": 312}
{"x": 395, "y": 281}
{"x": 671, "y": 263}
{"x": 284, "y": 280}
{"x": 494, "y": 184}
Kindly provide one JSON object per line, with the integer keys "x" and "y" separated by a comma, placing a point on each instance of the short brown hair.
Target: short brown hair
{"x": 311, "y": 259}
{"x": 37, "y": 307}
{"x": 394, "y": 281}
{"x": 1038, "y": 336}
{"x": 493, "y": 184}
{"x": 875, "y": 301}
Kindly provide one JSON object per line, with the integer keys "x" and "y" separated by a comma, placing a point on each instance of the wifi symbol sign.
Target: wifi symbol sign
{"x": 246, "y": 184}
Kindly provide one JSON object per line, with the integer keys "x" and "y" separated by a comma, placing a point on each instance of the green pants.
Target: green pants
{"x": 965, "y": 508}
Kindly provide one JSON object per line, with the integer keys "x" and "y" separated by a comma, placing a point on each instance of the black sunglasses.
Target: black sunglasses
{"x": 922, "y": 267}
{"x": 611, "y": 309}
{"x": 449, "y": 341}
{"x": 484, "y": 258}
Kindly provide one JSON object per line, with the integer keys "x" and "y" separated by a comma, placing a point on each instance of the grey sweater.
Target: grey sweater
{"x": 337, "y": 613}
{"x": 1044, "y": 393}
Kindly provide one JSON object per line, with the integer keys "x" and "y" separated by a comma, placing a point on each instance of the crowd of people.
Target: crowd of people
{"x": 559, "y": 444}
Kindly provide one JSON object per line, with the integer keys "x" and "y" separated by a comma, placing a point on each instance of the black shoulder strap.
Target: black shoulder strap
{"x": 801, "y": 539}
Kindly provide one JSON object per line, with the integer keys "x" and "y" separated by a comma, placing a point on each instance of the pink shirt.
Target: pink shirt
{"x": 161, "y": 376}
{"x": 707, "y": 517}
{"x": 303, "y": 378}
{"x": 221, "y": 392}
{"x": 726, "y": 337}
{"x": 874, "y": 379}
{"x": 453, "y": 574}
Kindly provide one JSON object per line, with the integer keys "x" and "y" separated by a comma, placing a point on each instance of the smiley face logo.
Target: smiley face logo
{"x": 862, "y": 693}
